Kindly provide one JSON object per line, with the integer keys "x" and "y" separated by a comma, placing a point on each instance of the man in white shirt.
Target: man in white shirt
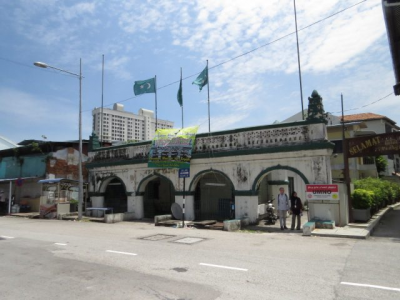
{"x": 283, "y": 207}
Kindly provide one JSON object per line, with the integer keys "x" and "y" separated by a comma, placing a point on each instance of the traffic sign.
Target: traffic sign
{"x": 184, "y": 173}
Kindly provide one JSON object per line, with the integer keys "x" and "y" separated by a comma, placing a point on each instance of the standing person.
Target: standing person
{"x": 296, "y": 207}
{"x": 283, "y": 207}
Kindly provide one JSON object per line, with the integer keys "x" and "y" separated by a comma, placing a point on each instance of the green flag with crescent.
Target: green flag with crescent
{"x": 144, "y": 86}
{"x": 202, "y": 79}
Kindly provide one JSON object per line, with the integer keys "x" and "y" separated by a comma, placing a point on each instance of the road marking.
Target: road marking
{"x": 371, "y": 286}
{"x": 119, "y": 252}
{"x": 7, "y": 237}
{"x": 60, "y": 244}
{"x": 223, "y": 267}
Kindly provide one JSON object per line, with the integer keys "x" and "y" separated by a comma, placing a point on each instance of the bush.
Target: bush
{"x": 384, "y": 191}
{"x": 362, "y": 199}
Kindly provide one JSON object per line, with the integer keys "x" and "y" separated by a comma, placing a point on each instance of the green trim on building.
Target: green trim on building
{"x": 292, "y": 148}
{"x": 289, "y": 148}
{"x": 262, "y": 127}
{"x": 278, "y": 167}
{"x": 116, "y": 163}
{"x": 223, "y": 132}
{"x": 278, "y": 182}
{"x": 245, "y": 193}
{"x": 96, "y": 194}
{"x": 187, "y": 193}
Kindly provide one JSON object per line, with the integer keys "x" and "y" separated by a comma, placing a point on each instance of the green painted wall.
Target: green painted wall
{"x": 23, "y": 166}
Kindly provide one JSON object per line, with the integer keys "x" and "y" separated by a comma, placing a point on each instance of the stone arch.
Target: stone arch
{"x": 198, "y": 176}
{"x": 115, "y": 194}
{"x": 142, "y": 184}
{"x": 214, "y": 196}
{"x": 158, "y": 194}
{"x": 106, "y": 180}
{"x": 260, "y": 176}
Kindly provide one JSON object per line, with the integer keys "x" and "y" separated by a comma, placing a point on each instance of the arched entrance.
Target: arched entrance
{"x": 268, "y": 182}
{"x": 115, "y": 196}
{"x": 158, "y": 197}
{"x": 214, "y": 198}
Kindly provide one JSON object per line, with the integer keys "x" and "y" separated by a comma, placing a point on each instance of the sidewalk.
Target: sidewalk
{"x": 355, "y": 230}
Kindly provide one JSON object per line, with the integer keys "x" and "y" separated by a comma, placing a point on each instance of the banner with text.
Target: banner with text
{"x": 322, "y": 191}
{"x": 172, "y": 148}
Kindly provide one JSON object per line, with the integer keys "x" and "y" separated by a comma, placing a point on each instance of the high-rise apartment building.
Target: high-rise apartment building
{"x": 120, "y": 125}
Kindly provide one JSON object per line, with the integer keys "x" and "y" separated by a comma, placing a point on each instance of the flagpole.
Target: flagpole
{"x": 298, "y": 60}
{"x": 208, "y": 91}
{"x": 102, "y": 103}
{"x": 184, "y": 179}
{"x": 155, "y": 90}
{"x": 182, "y": 101}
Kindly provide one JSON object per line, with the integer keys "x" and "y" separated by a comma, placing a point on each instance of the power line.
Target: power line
{"x": 226, "y": 61}
{"x": 32, "y": 67}
{"x": 253, "y": 50}
{"x": 356, "y": 108}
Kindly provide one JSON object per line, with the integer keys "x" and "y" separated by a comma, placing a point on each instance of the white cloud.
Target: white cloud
{"x": 25, "y": 111}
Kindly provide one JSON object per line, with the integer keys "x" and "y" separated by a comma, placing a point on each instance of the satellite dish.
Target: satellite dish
{"x": 176, "y": 210}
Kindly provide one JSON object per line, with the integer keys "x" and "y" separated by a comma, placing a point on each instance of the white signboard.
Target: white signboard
{"x": 322, "y": 192}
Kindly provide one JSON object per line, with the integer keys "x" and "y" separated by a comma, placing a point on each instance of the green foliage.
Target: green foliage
{"x": 384, "y": 191}
{"x": 381, "y": 163}
{"x": 73, "y": 201}
{"x": 362, "y": 199}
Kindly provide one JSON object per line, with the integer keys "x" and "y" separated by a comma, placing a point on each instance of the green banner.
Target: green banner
{"x": 172, "y": 148}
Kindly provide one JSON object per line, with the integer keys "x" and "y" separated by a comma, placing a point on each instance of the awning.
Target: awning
{"x": 15, "y": 179}
{"x": 59, "y": 180}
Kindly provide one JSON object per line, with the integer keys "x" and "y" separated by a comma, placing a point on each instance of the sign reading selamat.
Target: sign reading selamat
{"x": 373, "y": 145}
{"x": 172, "y": 148}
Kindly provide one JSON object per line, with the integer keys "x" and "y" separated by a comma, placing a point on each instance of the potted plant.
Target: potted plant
{"x": 362, "y": 201}
{"x": 73, "y": 205}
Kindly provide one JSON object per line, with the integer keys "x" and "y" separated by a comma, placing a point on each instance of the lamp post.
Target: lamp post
{"x": 79, "y": 76}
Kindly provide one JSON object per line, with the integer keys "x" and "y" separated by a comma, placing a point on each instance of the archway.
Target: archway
{"x": 214, "y": 197}
{"x": 115, "y": 196}
{"x": 267, "y": 183}
{"x": 159, "y": 194}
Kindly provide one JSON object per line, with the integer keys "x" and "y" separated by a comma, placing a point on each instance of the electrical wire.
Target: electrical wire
{"x": 33, "y": 67}
{"x": 356, "y": 108}
{"x": 224, "y": 62}
{"x": 251, "y": 51}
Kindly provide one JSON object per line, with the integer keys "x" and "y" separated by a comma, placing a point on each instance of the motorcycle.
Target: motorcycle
{"x": 270, "y": 217}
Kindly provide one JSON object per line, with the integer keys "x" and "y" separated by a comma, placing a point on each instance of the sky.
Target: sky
{"x": 347, "y": 53}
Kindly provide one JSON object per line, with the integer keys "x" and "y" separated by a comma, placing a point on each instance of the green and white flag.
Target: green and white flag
{"x": 144, "y": 86}
{"x": 202, "y": 79}
{"x": 179, "y": 96}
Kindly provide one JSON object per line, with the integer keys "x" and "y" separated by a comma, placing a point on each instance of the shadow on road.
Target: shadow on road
{"x": 389, "y": 226}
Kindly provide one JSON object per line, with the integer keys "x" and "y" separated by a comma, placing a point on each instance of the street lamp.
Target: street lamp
{"x": 80, "y": 192}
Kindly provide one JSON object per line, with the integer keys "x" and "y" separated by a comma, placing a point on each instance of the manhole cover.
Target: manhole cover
{"x": 157, "y": 237}
{"x": 188, "y": 240}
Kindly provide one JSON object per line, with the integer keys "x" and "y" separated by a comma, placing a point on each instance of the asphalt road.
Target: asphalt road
{"x": 43, "y": 259}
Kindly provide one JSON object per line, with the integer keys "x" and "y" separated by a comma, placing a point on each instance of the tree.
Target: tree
{"x": 381, "y": 164}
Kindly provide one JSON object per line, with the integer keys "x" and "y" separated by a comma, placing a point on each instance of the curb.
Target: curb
{"x": 373, "y": 224}
{"x": 368, "y": 229}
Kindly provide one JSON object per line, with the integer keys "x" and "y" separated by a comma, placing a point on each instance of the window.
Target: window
{"x": 338, "y": 146}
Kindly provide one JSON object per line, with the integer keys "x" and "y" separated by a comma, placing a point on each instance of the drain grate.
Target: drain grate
{"x": 188, "y": 240}
{"x": 157, "y": 237}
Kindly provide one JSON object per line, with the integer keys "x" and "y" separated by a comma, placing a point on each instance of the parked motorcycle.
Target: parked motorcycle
{"x": 270, "y": 217}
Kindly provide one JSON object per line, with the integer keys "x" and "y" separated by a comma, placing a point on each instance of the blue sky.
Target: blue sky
{"x": 346, "y": 54}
